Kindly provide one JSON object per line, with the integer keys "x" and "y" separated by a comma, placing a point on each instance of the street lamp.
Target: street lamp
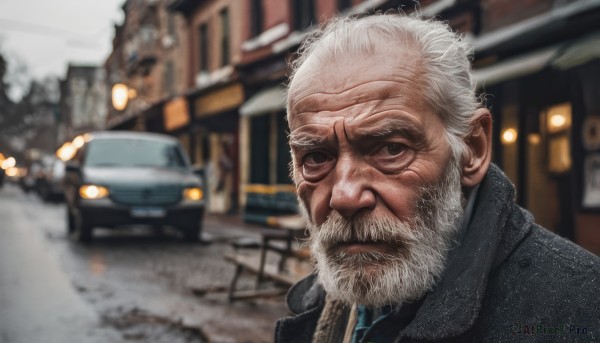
{"x": 121, "y": 94}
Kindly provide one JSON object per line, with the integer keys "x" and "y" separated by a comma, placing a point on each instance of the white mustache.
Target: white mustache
{"x": 363, "y": 229}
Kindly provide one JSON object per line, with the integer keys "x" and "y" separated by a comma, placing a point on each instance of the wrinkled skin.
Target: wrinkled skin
{"x": 364, "y": 141}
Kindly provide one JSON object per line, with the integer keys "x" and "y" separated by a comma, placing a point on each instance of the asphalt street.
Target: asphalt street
{"x": 135, "y": 285}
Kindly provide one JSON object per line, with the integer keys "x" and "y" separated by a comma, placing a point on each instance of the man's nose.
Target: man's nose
{"x": 351, "y": 190}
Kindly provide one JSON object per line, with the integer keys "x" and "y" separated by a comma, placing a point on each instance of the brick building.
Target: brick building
{"x": 148, "y": 56}
{"x": 214, "y": 95}
{"x": 537, "y": 61}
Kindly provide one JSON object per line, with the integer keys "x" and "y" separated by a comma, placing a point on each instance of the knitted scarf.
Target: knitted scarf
{"x": 337, "y": 321}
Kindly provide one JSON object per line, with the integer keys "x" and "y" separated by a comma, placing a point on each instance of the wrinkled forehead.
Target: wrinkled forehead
{"x": 334, "y": 71}
{"x": 353, "y": 78}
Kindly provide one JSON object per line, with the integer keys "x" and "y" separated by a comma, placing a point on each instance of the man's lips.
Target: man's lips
{"x": 364, "y": 247}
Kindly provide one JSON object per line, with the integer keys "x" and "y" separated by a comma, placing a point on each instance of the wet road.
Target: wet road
{"x": 127, "y": 286}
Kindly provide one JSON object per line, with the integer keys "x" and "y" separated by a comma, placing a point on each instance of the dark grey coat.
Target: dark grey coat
{"x": 510, "y": 280}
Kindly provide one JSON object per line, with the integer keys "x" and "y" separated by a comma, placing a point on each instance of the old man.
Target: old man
{"x": 414, "y": 233}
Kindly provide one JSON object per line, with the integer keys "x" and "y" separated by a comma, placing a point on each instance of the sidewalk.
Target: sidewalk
{"x": 224, "y": 228}
{"x": 38, "y": 303}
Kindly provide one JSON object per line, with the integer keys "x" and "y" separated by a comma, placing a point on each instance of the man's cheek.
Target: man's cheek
{"x": 315, "y": 199}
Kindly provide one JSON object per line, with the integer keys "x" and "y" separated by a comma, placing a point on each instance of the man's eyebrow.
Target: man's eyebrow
{"x": 389, "y": 128}
{"x": 306, "y": 140}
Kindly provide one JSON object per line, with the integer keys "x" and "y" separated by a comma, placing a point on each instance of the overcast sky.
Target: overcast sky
{"x": 46, "y": 35}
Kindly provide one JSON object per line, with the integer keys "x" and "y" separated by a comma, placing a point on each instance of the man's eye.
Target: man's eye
{"x": 391, "y": 150}
{"x": 394, "y": 149}
{"x": 315, "y": 158}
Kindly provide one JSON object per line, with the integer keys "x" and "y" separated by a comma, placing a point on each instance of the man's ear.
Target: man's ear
{"x": 477, "y": 158}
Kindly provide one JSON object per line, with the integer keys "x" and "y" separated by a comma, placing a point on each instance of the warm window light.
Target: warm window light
{"x": 120, "y": 96}
{"x": 558, "y": 120}
{"x": 509, "y": 136}
{"x": 534, "y": 138}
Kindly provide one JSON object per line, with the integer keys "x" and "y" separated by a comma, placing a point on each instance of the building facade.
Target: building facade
{"x": 537, "y": 61}
{"x": 149, "y": 57}
{"x": 83, "y": 100}
{"x": 214, "y": 95}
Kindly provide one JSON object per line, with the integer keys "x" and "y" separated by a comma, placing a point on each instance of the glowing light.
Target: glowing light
{"x": 9, "y": 163}
{"x": 534, "y": 138}
{"x": 194, "y": 194}
{"x": 120, "y": 96}
{"x": 93, "y": 192}
{"x": 78, "y": 142}
{"x": 509, "y": 136}
{"x": 66, "y": 151}
{"x": 558, "y": 120}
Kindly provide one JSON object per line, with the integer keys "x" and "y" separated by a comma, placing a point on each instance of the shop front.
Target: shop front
{"x": 267, "y": 189}
{"x": 215, "y": 143}
{"x": 546, "y": 108}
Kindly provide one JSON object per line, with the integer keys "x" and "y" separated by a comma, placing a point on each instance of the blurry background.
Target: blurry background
{"x": 210, "y": 73}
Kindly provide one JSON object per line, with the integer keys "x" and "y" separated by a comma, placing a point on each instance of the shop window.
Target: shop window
{"x": 558, "y": 125}
{"x": 259, "y": 149}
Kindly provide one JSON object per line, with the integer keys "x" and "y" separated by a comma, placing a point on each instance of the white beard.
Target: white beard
{"x": 417, "y": 248}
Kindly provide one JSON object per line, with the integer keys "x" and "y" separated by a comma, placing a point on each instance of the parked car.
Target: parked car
{"x": 50, "y": 184}
{"x": 124, "y": 178}
{"x": 32, "y": 174}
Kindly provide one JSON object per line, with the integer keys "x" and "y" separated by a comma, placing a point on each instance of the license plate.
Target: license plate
{"x": 148, "y": 212}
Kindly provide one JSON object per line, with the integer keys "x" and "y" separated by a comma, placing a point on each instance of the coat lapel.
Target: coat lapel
{"x": 454, "y": 304}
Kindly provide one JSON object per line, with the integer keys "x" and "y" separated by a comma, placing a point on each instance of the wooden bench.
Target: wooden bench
{"x": 279, "y": 239}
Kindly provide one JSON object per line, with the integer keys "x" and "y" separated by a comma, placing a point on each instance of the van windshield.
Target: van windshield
{"x": 124, "y": 152}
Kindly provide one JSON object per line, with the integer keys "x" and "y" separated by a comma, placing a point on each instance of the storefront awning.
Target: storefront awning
{"x": 562, "y": 56}
{"x": 265, "y": 101}
{"x": 580, "y": 52}
{"x": 514, "y": 67}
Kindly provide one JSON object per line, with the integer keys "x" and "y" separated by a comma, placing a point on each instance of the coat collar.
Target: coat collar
{"x": 452, "y": 307}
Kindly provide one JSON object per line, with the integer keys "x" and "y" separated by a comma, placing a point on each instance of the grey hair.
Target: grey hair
{"x": 445, "y": 58}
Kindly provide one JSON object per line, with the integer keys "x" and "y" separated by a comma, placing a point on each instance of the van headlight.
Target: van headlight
{"x": 193, "y": 194}
{"x": 93, "y": 192}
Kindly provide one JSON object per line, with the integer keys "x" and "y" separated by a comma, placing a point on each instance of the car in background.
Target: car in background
{"x": 32, "y": 174}
{"x": 124, "y": 178}
{"x": 50, "y": 183}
